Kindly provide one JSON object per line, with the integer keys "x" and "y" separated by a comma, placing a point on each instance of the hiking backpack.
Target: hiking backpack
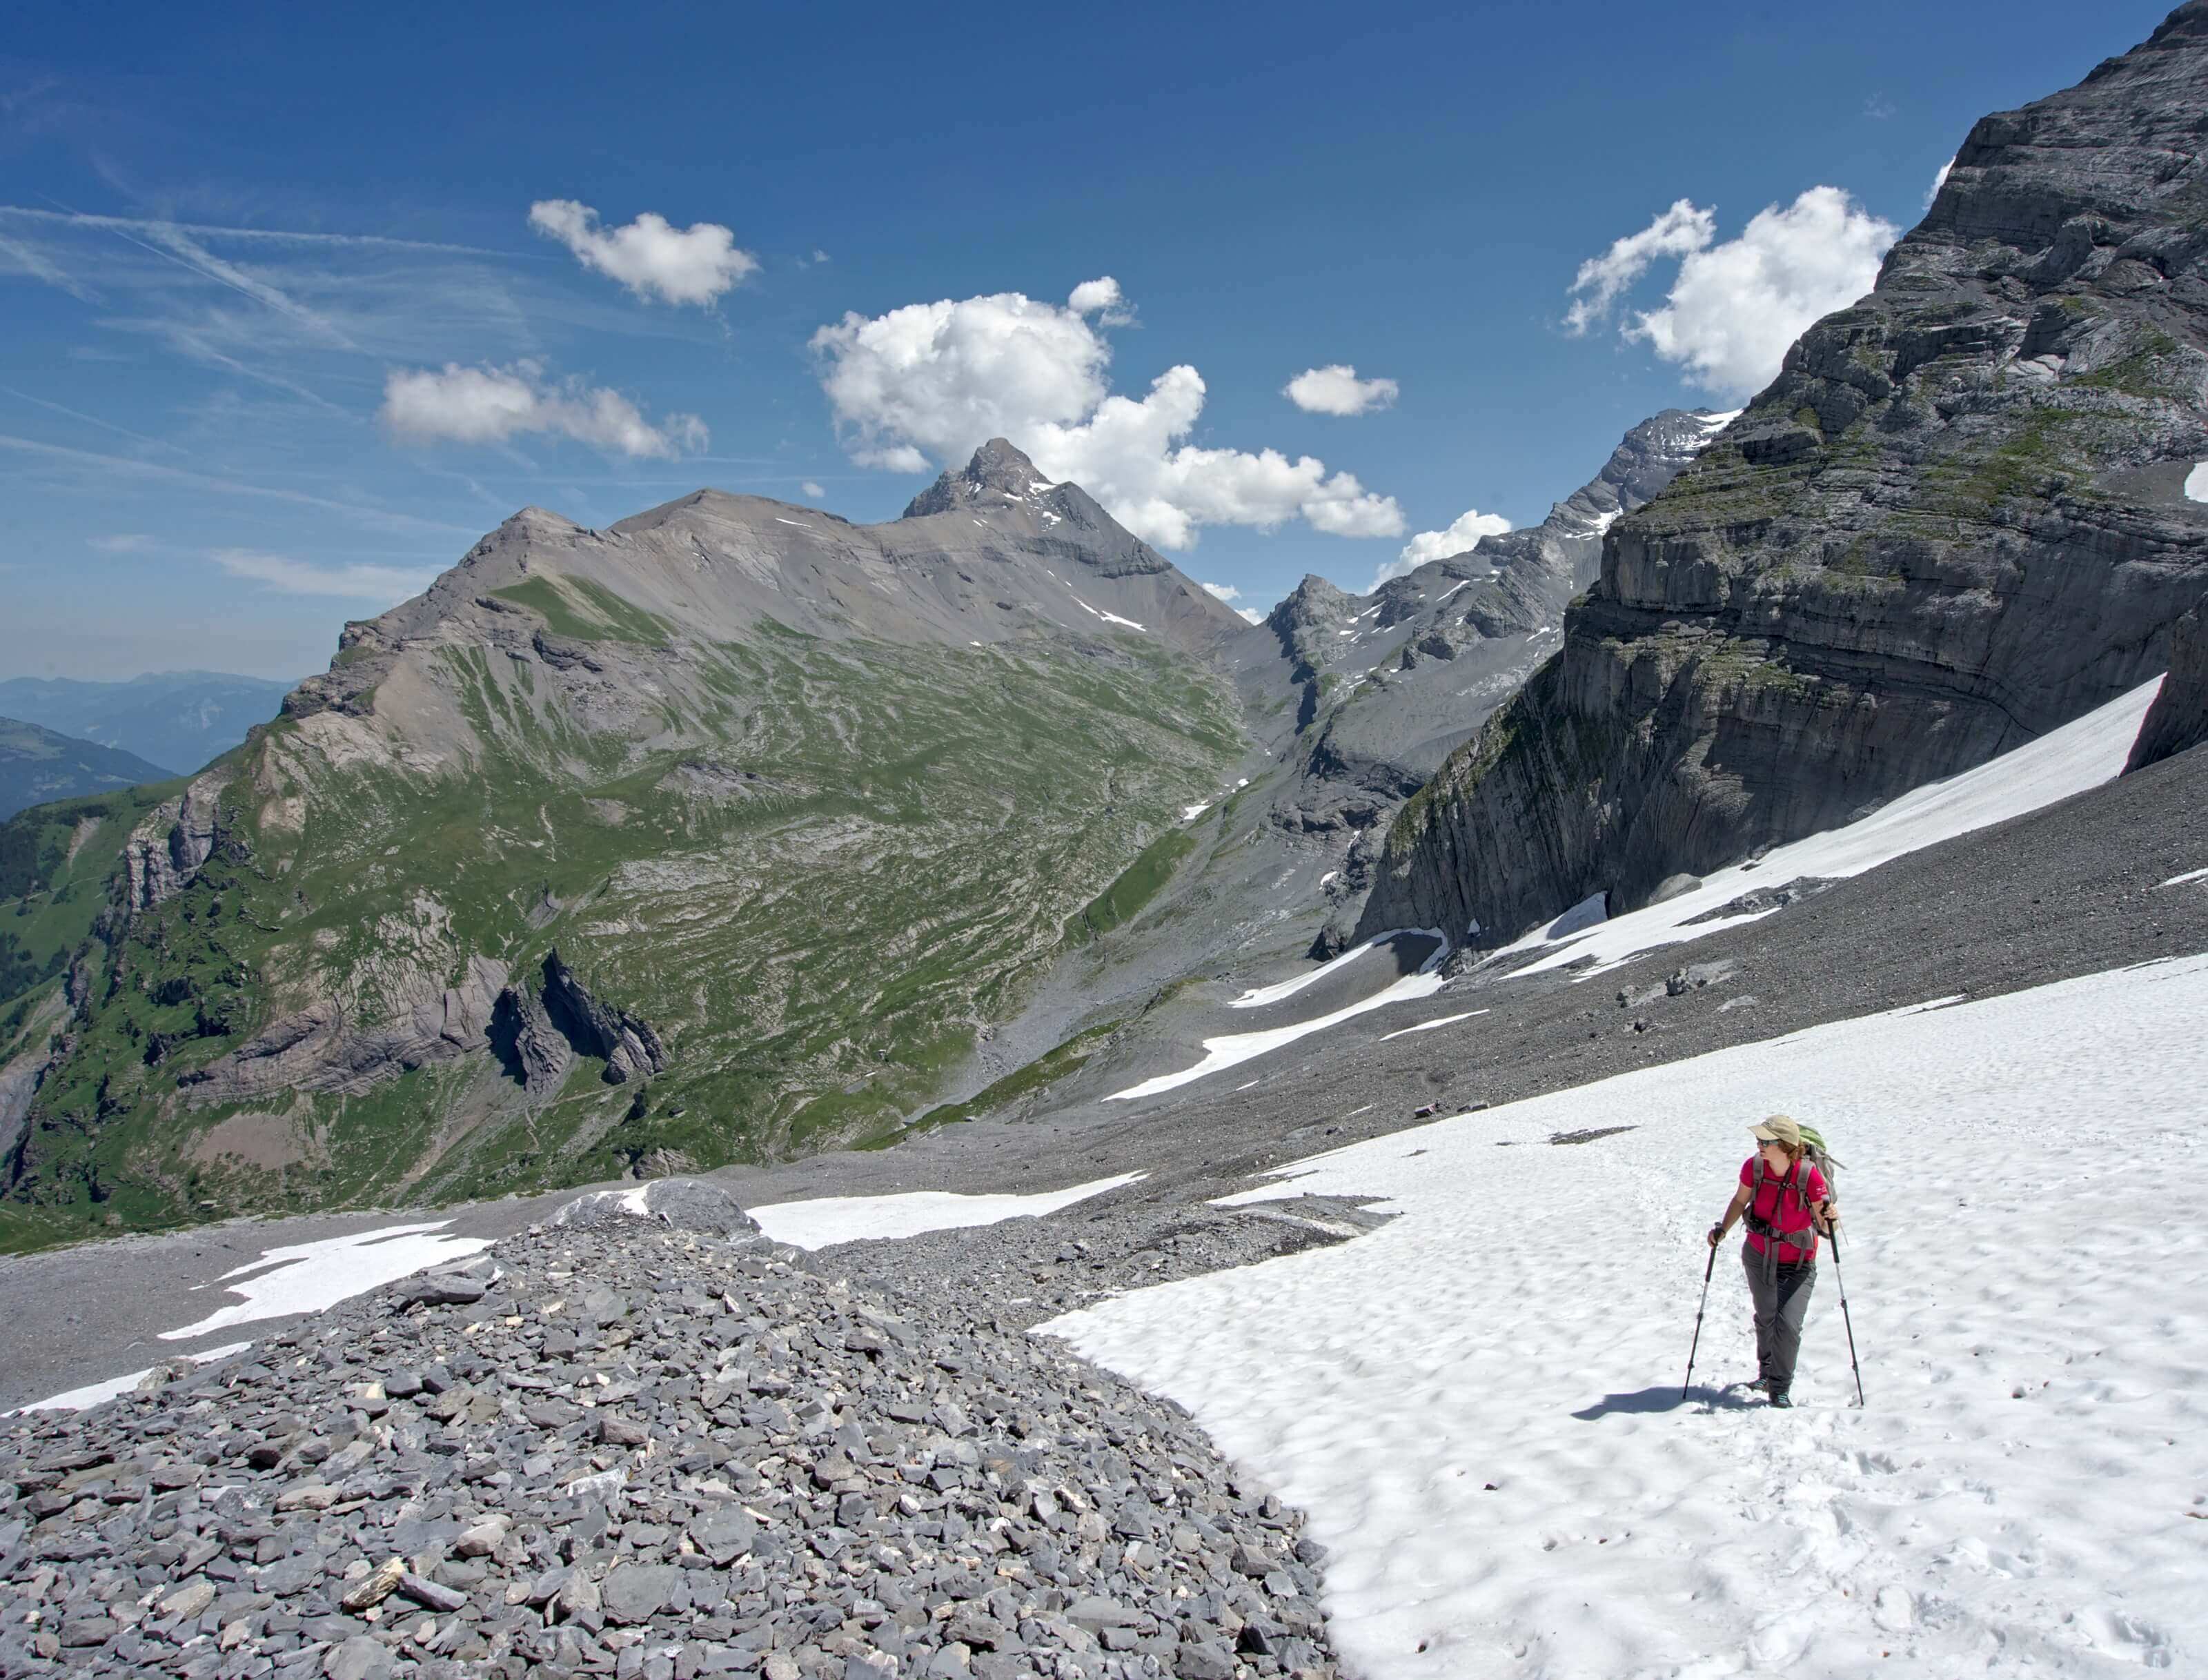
{"x": 1814, "y": 1154}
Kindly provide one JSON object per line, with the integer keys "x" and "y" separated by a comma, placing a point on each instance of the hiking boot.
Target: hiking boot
{"x": 1780, "y": 1397}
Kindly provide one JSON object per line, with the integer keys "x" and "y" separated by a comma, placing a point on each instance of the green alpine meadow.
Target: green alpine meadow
{"x": 624, "y": 851}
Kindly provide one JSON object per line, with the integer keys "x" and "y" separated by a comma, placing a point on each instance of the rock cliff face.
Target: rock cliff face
{"x": 538, "y": 1031}
{"x": 1380, "y": 687}
{"x": 2178, "y": 720}
{"x": 1955, "y": 521}
{"x": 165, "y": 852}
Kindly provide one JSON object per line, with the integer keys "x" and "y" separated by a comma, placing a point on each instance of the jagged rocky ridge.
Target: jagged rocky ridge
{"x": 1380, "y": 687}
{"x": 1956, "y": 519}
{"x": 654, "y": 1446}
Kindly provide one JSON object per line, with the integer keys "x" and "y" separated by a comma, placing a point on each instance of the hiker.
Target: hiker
{"x": 1786, "y": 1202}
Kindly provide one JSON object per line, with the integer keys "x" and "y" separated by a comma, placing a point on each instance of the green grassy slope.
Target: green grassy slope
{"x": 834, "y": 863}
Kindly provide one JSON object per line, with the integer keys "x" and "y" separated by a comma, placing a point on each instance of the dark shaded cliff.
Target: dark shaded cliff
{"x": 1956, "y": 519}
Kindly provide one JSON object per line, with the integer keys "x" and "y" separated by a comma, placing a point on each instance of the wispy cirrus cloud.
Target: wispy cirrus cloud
{"x": 88, "y": 419}
{"x": 98, "y": 468}
{"x": 387, "y": 585}
{"x": 263, "y": 235}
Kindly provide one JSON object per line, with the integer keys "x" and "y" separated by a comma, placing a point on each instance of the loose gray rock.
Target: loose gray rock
{"x": 736, "y": 1463}
{"x": 684, "y": 1204}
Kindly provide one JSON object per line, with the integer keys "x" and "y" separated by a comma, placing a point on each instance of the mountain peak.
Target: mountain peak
{"x": 997, "y": 469}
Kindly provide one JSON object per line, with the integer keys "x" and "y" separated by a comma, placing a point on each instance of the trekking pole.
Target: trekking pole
{"x": 1841, "y": 1282}
{"x": 1697, "y": 1342}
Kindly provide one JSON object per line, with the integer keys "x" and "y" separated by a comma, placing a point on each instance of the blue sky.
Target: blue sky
{"x": 283, "y": 337}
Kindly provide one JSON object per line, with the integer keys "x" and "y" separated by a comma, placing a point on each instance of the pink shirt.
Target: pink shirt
{"x": 1783, "y": 1203}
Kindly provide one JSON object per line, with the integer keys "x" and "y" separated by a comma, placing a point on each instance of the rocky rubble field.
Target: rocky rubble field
{"x": 621, "y": 1447}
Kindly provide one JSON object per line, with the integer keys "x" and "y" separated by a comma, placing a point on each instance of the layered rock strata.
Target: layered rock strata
{"x": 1955, "y": 521}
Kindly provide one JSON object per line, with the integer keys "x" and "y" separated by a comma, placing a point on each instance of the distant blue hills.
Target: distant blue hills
{"x": 177, "y": 720}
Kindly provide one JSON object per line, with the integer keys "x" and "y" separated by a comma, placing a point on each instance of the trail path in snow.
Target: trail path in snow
{"x": 1479, "y": 1405}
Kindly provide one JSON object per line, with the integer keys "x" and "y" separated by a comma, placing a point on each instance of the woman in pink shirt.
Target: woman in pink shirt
{"x": 1786, "y": 1202}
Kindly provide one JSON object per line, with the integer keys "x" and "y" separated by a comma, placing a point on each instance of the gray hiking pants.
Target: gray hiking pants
{"x": 1781, "y": 1295}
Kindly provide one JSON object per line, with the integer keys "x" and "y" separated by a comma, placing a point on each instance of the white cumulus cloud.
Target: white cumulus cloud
{"x": 1336, "y": 389}
{"x": 1734, "y": 307}
{"x": 1459, "y": 535}
{"x": 1677, "y": 232}
{"x": 1230, "y": 594}
{"x": 1102, "y": 299}
{"x": 651, "y": 256}
{"x": 811, "y": 489}
{"x": 490, "y": 405}
{"x": 930, "y": 382}
{"x": 389, "y": 584}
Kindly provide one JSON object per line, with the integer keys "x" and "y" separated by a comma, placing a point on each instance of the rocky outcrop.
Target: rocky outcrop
{"x": 317, "y": 1049}
{"x": 1955, "y": 521}
{"x": 679, "y": 1203}
{"x": 167, "y": 851}
{"x": 533, "y": 1050}
{"x": 538, "y": 1032}
{"x": 2178, "y": 719}
{"x": 630, "y": 1047}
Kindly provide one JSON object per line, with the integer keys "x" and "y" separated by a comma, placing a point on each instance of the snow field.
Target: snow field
{"x": 310, "y": 1277}
{"x": 93, "y": 1394}
{"x": 1259, "y": 997}
{"x": 1429, "y": 1026}
{"x": 1478, "y": 1405}
{"x": 849, "y": 1219}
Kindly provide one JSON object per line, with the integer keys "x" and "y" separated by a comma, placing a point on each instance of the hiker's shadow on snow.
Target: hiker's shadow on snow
{"x": 1665, "y": 1398}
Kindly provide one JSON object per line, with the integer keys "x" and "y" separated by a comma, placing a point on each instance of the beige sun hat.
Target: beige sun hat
{"x": 1778, "y": 1129}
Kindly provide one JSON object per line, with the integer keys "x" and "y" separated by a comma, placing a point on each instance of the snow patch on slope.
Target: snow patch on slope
{"x": 309, "y": 1277}
{"x": 2080, "y": 755}
{"x": 826, "y": 1220}
{"x": 1234, "y": 1049}
{"x": 94, "y": 1394}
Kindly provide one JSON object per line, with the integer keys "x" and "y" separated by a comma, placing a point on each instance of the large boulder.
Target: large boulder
{"x": 686, "y": 1204}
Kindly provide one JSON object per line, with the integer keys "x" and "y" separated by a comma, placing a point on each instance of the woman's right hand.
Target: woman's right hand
{"x": 1717, "y": 1235}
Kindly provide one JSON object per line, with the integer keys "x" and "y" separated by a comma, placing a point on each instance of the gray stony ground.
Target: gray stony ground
{"x": 639, "y": 1451}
